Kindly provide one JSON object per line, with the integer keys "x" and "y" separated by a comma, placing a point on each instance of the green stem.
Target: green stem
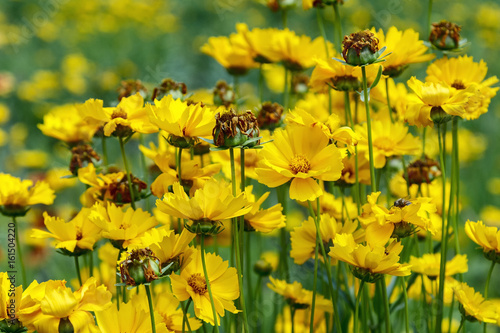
{"x": 285, "y": 92}
{"x": 388, "y": 99}
{"x": 118, "y": 280}
{"x": 151, "y": 311}
{"x": 462, "y": 322}
{"x": 423, "y": 141}
{"x": 490, "y": 272}
{"x": 315, "y": 281}
{"x": 207, "y": 281}
{"x": 369, "y": 129}
{"x": 386, "y": 305}
{"x": 91, "y": 264}
{"x": 284, "y": 18}
{"x": 129, "y": 178}
{"x": 407, "y": 313}
{"x": 356, "y": 308}
{"x": 77, "y": 265}
{"x": 261, "y": 83}
{"x": 456, "y": 182}
{"x": 429, "y": 13}
{"x": 184, "y": 315}
{"x": 292, "y": 317}
{"x": 104, "y": 151}
{"x": 19, "y": 252}
{"x": 405, "y": 173}
{"x": 179, "y": 164}
{"x": 321, "y": 26}
{"x": 282, "y": 199}
{"x": 338, "y": 25}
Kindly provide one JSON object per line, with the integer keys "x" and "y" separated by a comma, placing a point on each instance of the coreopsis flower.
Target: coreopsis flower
{"x": 65, "y": 123}
{"x": 298, "y": 297}
{"x": 486, "y": 237}
{"x": 371, "y": 261}
{"x": 233, "y": 53}
{"x": 406, "y": 48}
{"x": 263, "y": 220}
{"x": 10, "y": 302}
{"x": 431, "y": 288}
{"x": 191, "y": 283}
{"x": 127, "y": 117}
{"x": 108, "y": 187}
{"x": 59, "y": 179}
{"x": 389, "y": 139}
{"x": 235, "y": 130}
{"x": 139, "y": 267}
{"x": 301, "y": 321}
{"x": 349, "y": 171}
{"x": 398, "y": 96}
{"x": 361, "y": 48}
{"x": 121, "y": 227}
{"x": 303, "y": 238}
{"x": 298, "y": 52}
{"x": 473, "y": 306}
{"x": 336, "y": 207}
{"x": 429, "y": 265}
{"x": 461, "y": 73}
{"x": 51, "y": 305}
{"x": 183, "y": 122}
{"x": 261, "y": 43}
{"x": 445, "y": 35}
{"x": 435, "y": 102}
{"x": 209, "y": 205}
{"x": 300, "y": 154}
{"x": 129, "y": 319}
{"x": 17, "y": 195}
{"x": 74, "y": 237}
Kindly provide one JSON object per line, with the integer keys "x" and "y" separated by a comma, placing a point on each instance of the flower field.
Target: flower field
{"x": 249, "y": 166}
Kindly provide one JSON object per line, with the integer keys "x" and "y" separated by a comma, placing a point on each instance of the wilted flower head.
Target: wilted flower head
{"x": 169, "y": 87}
{"x": 270, "y": 116}
{"x": 361, "y": 48}
{"x": 423, "y": 170}
{"x": 445, "y": 35}
{"x": 141, "y": 266}
{"x": 233, "y": 129}
{"x": 130, "y": 87}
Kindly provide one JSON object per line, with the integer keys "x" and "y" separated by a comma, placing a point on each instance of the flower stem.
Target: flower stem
{"x": 407, "y": 314}
{"x": 184, "y": 317}
{"x": 129, "y": 178}
{"x": 356, "y": 308}
{"x": 321, "y": 26}
{"x": 338, "y": 25}
{"x": 77, "y": 265}
{"x": 386, "y": 305}
{"x": 207, "y": 281}
{"x": 261, "y": 83}
{"x": 369, "y": 129}
{"x": 462, "y": 322}
{"x": 104, "y": 151}
{"x": 429, "y": 13}
{"x": 19, "y": 252}
{"x": 292, "y": 317}
{"x": 315, "y": 281}
{"x": 490, "y": 272}
{"x": 151, "y": 311}
{"x": 388, "y": 99}
{"x": 456, "y": 181}
{"x": 282, "y": 199}
{"x": 118, "y": 280}
{"x": 91, "y": 264}
{"x": 285, "y": 92}
{"x": 179, "y": 164}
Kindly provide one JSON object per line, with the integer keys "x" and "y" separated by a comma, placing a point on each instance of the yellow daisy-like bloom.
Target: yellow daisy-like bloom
{"x": 429, "y": 265}
{"x": 295, "y": 295}
{"x": 434, "y": 97}
{"x": 405, "y": 47}
{"x": 50, "y": 303}
{"x": 127, "y": 117}
{"x": 389, "y": 139}
{"x": 263, "y": 220}
{"x": 370, "y": 261}
{"x": 211, "y": 203}
{"x": 431, "y": 289}
{"x": 486, "y": 237}
{"x": 334, "y": 207}
{"x": 460, "y": 73}
{"x": 300, "y": 154}
{"x": 181, "y": 120}
{"x": 233, "y": 53}
{"x": 260, "y": 42}
{"x": 65, "y": 123}
{"x": 123, "y": 228}
{"x": 58, "y": 179}
{"x": 472, "y": 145}
{"x": 398, "y": 95}
{"x": 17, "y": 194}
{"x": 303, "y": 238}
{"x": 473, "y": 305}
{"x": 349, "y": 171}
{"x": 76, "y": 236}
{"x": 129, "y": 319}
{"x": 223, "y": 283}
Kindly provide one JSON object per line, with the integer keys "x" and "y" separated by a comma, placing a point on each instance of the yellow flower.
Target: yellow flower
{"x": 398, "y": 95}
{"x": 295, "y": 295}
{"x": 123, "y": 228}
{"x": 59, "y": 179}
{"x": 50, "y": 303}
{"x": 211, "y": 203}
{"x": 301, "y": 320}
{"x": 65, "y": 123}
{"x": 486, "y": 237}
{"x": 349, "y": 171}
{"x": 303, "y": 238}
{"x": 431, "y": 288}
{"x": 76, "y": 236}
{"x": 127, "y": 117}
{"x": 300, "y": 154}
{"x": 261, "y": 42}
{"x": 389, "y": 139}
{"x": 491, "y": 215}
{"x": 434, "y": 98}
{"x": 472, "y": 145}
{"x": 461, "y": 73}
{"x": 329, "y": 204}
{"x": 429, "y": 265}
{"x": 223, "y": 283}
{"x": 182, "y": 121}
{"x": 17, "y": 194}
{"x": 370, "y": 261}
{"x": 406, "y": 48}
{"x": 263, "y": 220}
{"x": 473, "y": 306}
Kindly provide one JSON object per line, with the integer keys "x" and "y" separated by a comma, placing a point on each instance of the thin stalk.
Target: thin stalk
{"x": 407, "y": 313}
{"x": 321, "y": 26}
{"x": 490, "y": 272}
{"x": 19, "y": 252}
{"x": 118, "y": 280}
{"x": 292, "y": 317}
{"x": 151, "y": 311}
{"x": 285, "y": 92}
{"x": 207, "y": 281}
{"x": 179, "y": 164}
{"x": 386, "y": 305}
{"x": 444, "y": 228}
{"x": 462, "y": 322}
{"x": 456, "y": 182}
{"x": 281, "y": 191}
{"x": 356, "y": 308}
{"x": 129, "y": 178}
{"x": 315, "y": 280}
{"x": 77, "y": 266}
{"x": 261, "y": 84}
{"x": 338, "y": 25}
{"x": 91, "y": 264}
{"x": 424, "y": 132}
{"x": 347, "y": 107}
{"x": 284, "y": 18}
{"x": 405, "y": 173}
{"x": 429, "y": 13}
{"x": 104, "y": 151}
{"x": 184, "y": 315}
{"x": 388, "y": 99}
{"x": 369, "y": 127}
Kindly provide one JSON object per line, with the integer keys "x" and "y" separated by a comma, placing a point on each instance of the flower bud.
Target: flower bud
{"x": 360, "y": 48}
{"x": 131, "y": 87}
{"x": 169, "y": 87}
{"x": 346, "y": 83}
{"x": 140, "y": 267}
{"x": 263, "y": 268}
{"x": 445, "y": 35}
{"x": 232, "y": 130}
{"x": 422, "y": 171}
{"x": 493, "y": 256}
{"x": 223, "y": 94}
{"x": 270, "y": 116}
{"x": 65, "y": 326}
{"x": 181, "y": 141}
{"x": 12, "y": 326}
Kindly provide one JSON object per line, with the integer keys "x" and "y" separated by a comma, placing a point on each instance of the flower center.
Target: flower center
{"x": 198, "y": 283}
{"x": 119, "y": 113}
{"x": 458, "y": 85}
{"x": 300, "y": 163}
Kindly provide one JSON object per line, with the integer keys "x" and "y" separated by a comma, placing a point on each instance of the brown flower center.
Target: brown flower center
{"x": 119, "y": 113}
{"x": 300, "y": 163}
{"x": 458, "y": 85}
{"x": 198, "y": 283}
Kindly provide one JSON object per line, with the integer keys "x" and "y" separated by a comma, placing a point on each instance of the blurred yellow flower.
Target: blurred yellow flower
{"x": 429, "y": 265}
{"x": 263, "y": 220}
{"x": 473, "y": 306}
{"x": 59, "y": 179}
{"x": 261, "y": 43}
{"x": 296, "y": 296}
{"x": 486, "y": 237}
